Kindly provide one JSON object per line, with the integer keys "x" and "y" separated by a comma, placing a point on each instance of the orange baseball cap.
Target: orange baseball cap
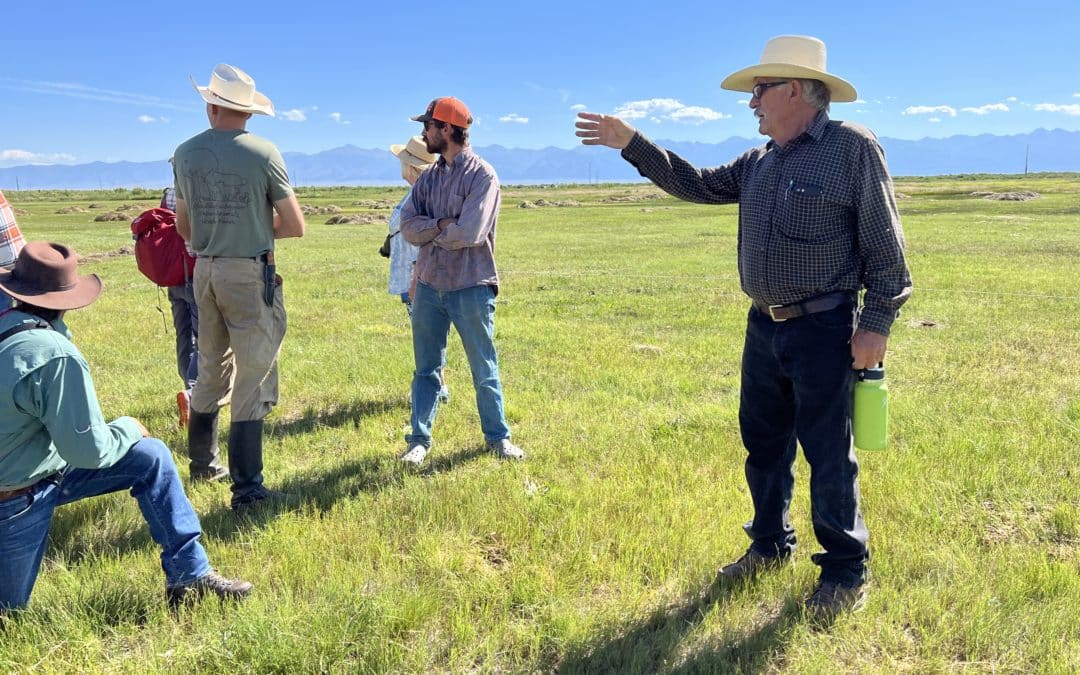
{"x": 447, "y": 109}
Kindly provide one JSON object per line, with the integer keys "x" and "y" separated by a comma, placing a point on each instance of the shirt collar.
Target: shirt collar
{"x": 815, "y": 131}
{"x": 459, "y": 159}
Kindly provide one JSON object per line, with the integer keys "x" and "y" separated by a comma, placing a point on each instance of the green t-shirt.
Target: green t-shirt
{"x": 230, "y": 181}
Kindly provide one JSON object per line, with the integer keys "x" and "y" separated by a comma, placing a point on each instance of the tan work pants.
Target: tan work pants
{"x": 239, "y": 338}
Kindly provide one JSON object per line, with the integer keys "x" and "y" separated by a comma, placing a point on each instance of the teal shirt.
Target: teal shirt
{"x": 230, "y": 181}
{"x": 49, "y": 412}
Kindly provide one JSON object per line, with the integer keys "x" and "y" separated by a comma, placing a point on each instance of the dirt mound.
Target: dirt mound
{"x": 95, "y": 205}
{"x": 633, "y": 198}
{"x": 901, "y": 195}
{"x": 1020, "y": 196}
{"x": 123, "y": 250}
{"x": 356, "y": 220}
{"x": 110, "y": 216}
{"x": 309, "y": 210}
{"x": 129, "y": 207}
{"x": 71, "y": 209}
{"x": 375, "y": 204}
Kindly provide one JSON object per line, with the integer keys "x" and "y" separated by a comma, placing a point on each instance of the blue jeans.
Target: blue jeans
{"x": 148, "y": 471}
{"x": 472, "y": 312}
{"x": 185, "y": 316}
{"x": 797, "y": 385}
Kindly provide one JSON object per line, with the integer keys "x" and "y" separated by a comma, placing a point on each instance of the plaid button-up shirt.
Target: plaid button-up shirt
{"x": 11, "y": 239}
{"x": 816, "y": 216}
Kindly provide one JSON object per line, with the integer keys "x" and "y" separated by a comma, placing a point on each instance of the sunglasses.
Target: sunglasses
{"x": 762, "y": 87}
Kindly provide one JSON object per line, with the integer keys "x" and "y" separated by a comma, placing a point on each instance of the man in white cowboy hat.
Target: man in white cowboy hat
{"x": 451, "y": 216}
{"x": 817, "y": 225}
{"x": 57, "y": 448}
{"x": 233, "y": 201}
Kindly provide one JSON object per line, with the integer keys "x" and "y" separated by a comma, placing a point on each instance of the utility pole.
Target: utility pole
{"x": 1027, "y": 153}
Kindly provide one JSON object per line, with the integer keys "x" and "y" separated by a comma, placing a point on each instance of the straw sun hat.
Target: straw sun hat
{"x": 794, "y": 56}
{"x": 413, "y": 153}
{"x": 232, "y": 88}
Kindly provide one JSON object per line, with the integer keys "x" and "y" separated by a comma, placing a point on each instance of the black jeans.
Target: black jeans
{"x": 797, "y": 385}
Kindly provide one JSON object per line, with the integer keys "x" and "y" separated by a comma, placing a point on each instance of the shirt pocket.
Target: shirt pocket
{"x": 812, "y": 213}
{"x": 455, "y": 204}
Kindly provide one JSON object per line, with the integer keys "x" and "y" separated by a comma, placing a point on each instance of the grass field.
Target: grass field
{"x": 619, "y": 327}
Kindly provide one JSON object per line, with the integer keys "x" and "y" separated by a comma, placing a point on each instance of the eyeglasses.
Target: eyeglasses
{"x": 762, "y": 87}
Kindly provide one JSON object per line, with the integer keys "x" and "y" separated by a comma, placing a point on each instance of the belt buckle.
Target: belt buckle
{"x": 772, "y": 314}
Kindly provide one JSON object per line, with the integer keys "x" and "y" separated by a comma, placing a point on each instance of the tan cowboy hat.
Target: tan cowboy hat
{"x": 795, "y": 56}
{"x": 45, "y": 275}
{"x": 232, "y": 88}
{"x": 414, "y": 153}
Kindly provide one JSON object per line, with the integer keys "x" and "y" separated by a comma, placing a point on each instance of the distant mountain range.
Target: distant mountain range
{"x": 1042, "y": 150}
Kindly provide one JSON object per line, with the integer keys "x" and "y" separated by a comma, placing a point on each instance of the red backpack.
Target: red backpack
{"x": 159, "y": 249}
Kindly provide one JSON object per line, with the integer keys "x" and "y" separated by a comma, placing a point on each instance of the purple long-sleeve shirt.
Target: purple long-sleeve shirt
{"x": 463, "y": 254}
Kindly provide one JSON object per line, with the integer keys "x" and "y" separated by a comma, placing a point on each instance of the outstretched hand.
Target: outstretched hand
{"x": 597, "y": 129}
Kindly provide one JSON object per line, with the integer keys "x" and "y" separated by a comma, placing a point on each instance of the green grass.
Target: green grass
{"x": 619, "y": 326}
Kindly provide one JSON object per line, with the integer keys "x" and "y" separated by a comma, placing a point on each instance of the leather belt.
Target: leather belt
{"x": 25, "y": 490}
{"x": 17, "y": 492}
{"x": 822, "y": 303}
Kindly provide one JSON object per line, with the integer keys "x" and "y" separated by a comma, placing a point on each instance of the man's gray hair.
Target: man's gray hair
{"x": 816, "y": 94}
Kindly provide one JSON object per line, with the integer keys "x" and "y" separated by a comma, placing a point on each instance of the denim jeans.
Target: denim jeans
{"x": 185, "y": 314}
{"x": 148, "y": 471}
{"x": 472, "y": 312}
{"x": 797, "y": 385}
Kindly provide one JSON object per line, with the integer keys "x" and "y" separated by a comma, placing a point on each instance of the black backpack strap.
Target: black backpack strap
{"x": 41, "y": 323}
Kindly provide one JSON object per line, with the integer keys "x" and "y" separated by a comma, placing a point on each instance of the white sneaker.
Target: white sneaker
{"x": 504, "y": 449}
{"x": 415, "y": 455}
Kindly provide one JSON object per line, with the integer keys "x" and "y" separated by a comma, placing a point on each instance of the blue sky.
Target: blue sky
{"x": 82, "y": 82}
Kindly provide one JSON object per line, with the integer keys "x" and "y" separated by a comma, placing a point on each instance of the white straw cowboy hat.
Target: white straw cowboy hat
{"x": 794, "y": 56}
{"x": 45, "y": 275}
{"x": 232, "y": 88}
{"x": 413, "y": 153}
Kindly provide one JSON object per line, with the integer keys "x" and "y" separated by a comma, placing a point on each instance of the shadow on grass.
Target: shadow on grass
{"x": 651, "y": 645}
{"x": 320, "y": 492}
{"x": 336, "y": 416}
{"x": 317, "y": 492}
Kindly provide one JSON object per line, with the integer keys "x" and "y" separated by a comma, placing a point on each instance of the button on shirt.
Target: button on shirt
{"x": 816, "y": 216}
{"x": 49, "y": 411}
{"x": 463, "y": 254}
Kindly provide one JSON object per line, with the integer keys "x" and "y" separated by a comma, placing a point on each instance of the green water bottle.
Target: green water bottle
{"x": 870, "y": 415}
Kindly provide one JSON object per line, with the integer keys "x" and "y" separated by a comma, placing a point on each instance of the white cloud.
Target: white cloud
{"x": 935, "y": 120}
{"x": 1068, "y": 109}
{"x": 660, "y": 109}
{"x": 694, "y": 114}
{"x": 1013, "y": 99}
{"x": 336, "y": 116}
{"x": 988, "y": 108}
{"x": 929, "y": 110}
{"x": 743, "y": 101}
{"x": 15, "y": 157}
{"x": 150, "y": 119}
{"x": 579, "y": 106}
{"x": 1076, "y": 95}
{"x": 515, "y": 118}
{"x": 82, "y": 91}
{"x": 294, "y": 115}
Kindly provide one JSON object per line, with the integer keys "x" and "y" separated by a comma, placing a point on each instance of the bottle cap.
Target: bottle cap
{"x": 877, "y": 373}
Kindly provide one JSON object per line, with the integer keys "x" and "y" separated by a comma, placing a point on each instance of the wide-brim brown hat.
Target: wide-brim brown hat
{"x": 414, "y": 153}
{"x": 232, "y": 88}
{"x": 792, "y": 56}
{"x": 46, "y": 275}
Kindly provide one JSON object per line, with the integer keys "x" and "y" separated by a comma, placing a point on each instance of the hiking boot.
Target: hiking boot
{"x": 244, "y": 505}
{"x": 749, "y": 565}
{"x": 830, "y": 599}
{"x": 504, "y": 449}
{"x": 415, "y": 454}
{"x": 183, "y": 406}
{"x": 203, "y": 445}
{"x": 211, "y": 583}
{"x": 210, "y": 476}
